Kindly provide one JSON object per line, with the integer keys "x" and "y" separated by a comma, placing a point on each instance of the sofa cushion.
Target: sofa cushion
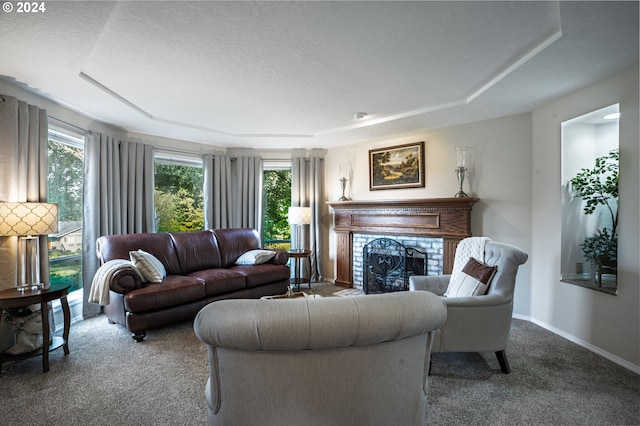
{"x": 234, "y": 243}
{"x": 255, "y": 257}
{"x": 196, "y": 251}
{"x": 148, "y": 266}
{"x": 220, "y": 280}
{"x": 473, "y": 280}
{"x": 258, "y": 275}
{"x": 174, "y": 290}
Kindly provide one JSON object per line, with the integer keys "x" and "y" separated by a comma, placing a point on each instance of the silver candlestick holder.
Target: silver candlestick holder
{"x": 343, "y": 185}
{"x": 460, "y": 172}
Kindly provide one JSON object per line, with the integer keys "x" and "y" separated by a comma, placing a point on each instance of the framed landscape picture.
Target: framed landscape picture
{"x": 395, "y": 167}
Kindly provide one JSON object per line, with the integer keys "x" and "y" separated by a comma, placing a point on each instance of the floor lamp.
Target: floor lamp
{"x": 28, "y": 221}
{"x": 299, "y": 216}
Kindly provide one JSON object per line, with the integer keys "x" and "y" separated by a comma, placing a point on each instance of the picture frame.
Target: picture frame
{"x": 397, "y": 167}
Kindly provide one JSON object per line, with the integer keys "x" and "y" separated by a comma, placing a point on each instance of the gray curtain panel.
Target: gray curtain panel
{"x": 23, "y": 177}
{"x": 118, "y": 197}
{"x": 246, "y": 189}
{"x": 233, "y": 190}
{"x": 217, "y": 210}
{"x": 307, "y": 190}
{"x": 23, "y": 174}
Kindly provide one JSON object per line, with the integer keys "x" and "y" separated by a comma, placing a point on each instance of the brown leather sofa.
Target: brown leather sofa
{"x": 200, "y": 269}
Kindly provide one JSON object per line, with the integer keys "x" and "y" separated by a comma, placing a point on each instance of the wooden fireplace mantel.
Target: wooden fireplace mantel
{"x": 446, "y": 218}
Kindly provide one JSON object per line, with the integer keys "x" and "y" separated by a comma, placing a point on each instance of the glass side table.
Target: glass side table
{"x": 14, "y": 298}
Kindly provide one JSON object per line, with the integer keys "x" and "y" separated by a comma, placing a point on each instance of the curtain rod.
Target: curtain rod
{"x": 177, "y": 151}
{"x": 214, "y": 153}
{"x": 66, "y": 123}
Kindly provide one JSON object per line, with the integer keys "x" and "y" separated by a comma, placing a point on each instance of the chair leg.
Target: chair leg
{"x": 504, "y": 364}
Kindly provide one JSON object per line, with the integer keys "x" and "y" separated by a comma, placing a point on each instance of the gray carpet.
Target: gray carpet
{"x": 552, "y": 382}
{"x": 108, "y": 379}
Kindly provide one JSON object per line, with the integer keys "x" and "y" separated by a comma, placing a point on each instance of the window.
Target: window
{"x": 65, "y": 186}
{"x": 179, "y": 199}
{"x": 277, "y": 199}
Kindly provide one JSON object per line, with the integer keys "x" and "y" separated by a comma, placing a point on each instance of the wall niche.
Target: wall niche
{"x": 590, "y": 200}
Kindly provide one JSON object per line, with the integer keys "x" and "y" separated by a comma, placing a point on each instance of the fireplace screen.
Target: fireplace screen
{"x": 388, "y": 264}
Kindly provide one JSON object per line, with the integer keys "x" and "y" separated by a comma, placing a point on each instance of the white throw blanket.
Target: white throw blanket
{"x": 100, "y": 285}
{"x": 467, "y": 248}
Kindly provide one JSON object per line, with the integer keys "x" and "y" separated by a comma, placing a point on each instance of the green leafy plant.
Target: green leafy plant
{"x": 277, "y": 199}
{"x": 600, "y": 248}
{"x": 598, "y": 186}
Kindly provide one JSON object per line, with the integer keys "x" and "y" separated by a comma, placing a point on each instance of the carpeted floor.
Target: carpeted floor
{"x": 552, "y": 382}
{"x": 108, "y": 379}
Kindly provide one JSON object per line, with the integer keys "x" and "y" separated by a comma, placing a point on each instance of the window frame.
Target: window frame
{"x": 273, "y": 165}
{"x": 177, "y": 158}
{"x": 72, "y": 137}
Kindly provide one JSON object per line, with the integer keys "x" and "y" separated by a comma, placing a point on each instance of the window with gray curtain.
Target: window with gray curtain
{"x": 23, "y": 177}
{"x": 118, "y": 197}
{"x": 307, "y": 190}
{"x": 233, "y": 190}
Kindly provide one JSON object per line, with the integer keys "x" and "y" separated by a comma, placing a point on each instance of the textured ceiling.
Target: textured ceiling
{"x": 292, "y": 74}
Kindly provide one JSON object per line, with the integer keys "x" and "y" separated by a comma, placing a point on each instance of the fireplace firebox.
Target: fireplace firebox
{"x": 388, "y": 264}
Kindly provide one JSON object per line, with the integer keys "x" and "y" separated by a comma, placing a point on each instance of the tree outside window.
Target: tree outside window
{"x": 178, "y": 197}
{"x": 65, "y": 187}
{"x": 179, "y": 201}
{"x": 277, "y": 199}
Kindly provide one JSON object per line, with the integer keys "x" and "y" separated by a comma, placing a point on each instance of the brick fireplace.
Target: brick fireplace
{"x": 434, "y": 223}
{"x": 431, "y": 247}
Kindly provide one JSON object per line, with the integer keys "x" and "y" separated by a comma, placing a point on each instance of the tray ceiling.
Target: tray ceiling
{"x": 292, "y": 74}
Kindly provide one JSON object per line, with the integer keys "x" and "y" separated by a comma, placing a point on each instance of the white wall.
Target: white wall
{"x": 499, "y": 175}
{"x": 607, "y": 324}
{"x": 516, "y": 173}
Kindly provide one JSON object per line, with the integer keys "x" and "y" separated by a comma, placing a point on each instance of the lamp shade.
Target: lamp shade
{"x": 28, "y": 219}
{"x": 299, "y": 215}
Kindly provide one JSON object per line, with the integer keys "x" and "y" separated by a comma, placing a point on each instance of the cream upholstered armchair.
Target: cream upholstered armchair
{"x": 336, "y": 360}
{"x": 476, "y": 323}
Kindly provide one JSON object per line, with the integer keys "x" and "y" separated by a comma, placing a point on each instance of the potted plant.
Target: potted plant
{"x": 599, "y": 187}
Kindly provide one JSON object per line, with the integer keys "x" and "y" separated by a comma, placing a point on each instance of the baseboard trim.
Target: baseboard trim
{"x": 608, "y": 355}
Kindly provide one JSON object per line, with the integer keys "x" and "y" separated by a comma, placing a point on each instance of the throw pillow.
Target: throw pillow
{"x": 255, "y": 257}
{"x": 473, "y": 280}
{"x": 148, "y": 265}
